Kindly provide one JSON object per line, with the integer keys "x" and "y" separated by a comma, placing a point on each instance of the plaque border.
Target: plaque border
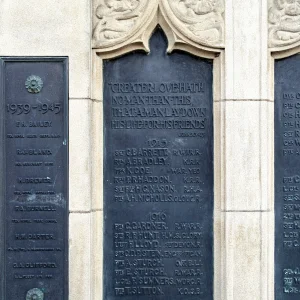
{"x": 3, "y": 60}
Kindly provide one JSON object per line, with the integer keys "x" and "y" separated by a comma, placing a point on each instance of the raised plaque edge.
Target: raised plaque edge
{"x": 3, "y": 61}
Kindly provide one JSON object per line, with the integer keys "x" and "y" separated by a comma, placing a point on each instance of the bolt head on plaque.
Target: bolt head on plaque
{"x": 35, "y": 294}
{"x": 34, "y": 84}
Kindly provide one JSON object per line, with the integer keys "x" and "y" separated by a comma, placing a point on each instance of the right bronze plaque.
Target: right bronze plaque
{"x": 287, "y": 178}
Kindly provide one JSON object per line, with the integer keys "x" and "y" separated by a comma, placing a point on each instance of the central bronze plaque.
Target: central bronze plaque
{"x": 158, "y": 176}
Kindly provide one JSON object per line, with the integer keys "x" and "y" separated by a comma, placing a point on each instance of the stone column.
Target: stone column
{"x": 247, "y": 149}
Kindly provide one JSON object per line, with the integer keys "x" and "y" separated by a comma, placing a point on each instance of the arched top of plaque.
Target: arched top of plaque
{"x": 121, "y": 26}
{"x": 284, "y": 26}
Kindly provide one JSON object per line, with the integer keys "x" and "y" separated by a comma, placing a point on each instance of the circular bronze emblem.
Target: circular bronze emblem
{"x": 35, "y": 294}
{"x": 34, "y": 84}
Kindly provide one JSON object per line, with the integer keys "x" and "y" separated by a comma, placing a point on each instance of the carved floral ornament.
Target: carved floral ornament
{"x": 284, "y": 23}
{"x": 116, "y": 21}
{"x": 34, "y": 84}
{"x": 35, "y": 294}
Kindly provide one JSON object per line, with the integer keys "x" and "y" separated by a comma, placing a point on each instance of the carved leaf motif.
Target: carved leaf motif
{"x": 116, "y": 18}
{"x": 284, "y": 22}
{"x": 202, "y": 18}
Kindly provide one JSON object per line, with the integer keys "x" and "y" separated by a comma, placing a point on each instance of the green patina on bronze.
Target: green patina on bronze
{"x": 35, "y": 294}
{"x": 34, "y": 84}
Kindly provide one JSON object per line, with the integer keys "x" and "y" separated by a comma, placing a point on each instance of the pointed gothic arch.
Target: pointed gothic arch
{"x": 136, "y": 37}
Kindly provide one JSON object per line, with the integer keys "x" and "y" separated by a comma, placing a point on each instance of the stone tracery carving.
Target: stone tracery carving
{"x": 115, "y": 21}
{"x": 116, "y": 18}
{"x": 203, "y": 18}
{"x": 284, "y": 22}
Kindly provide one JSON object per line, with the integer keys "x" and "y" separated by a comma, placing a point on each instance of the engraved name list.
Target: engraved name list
{"x": 35, "y": 184}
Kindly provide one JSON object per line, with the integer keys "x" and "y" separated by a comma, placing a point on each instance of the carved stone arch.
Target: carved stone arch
{"x": 284, "y": 25}
{"x": 123, "y": 26}
{"x": 196, "y": 22}
{"x": 179, "y": 27}
{"x": 116, "y": 26}
{"x": 284, "y": 32}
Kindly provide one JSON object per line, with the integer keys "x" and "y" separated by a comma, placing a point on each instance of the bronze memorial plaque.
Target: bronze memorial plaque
{"x": 287, "y": 178}
{"x": 158, "y": 175}
{"x": 34, "y": 178}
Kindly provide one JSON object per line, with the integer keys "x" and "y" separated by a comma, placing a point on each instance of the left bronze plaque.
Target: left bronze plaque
{"x": 34, "y": 178}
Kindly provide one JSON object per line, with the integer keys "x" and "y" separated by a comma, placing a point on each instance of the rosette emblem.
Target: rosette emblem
{"x": 34, "y": 84}
{"x": 35, "y": 294}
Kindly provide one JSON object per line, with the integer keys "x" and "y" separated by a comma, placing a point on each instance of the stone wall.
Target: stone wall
{"x": 235, "y": 34}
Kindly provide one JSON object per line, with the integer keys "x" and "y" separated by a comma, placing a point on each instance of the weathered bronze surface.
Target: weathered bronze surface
{"x": 287, "y": 178}
{"x": 158, "y": 176}
{"x": 34, "y": 178}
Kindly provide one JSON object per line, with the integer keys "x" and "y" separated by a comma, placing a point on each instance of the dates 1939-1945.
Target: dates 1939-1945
{"x": 36, "y": 189}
